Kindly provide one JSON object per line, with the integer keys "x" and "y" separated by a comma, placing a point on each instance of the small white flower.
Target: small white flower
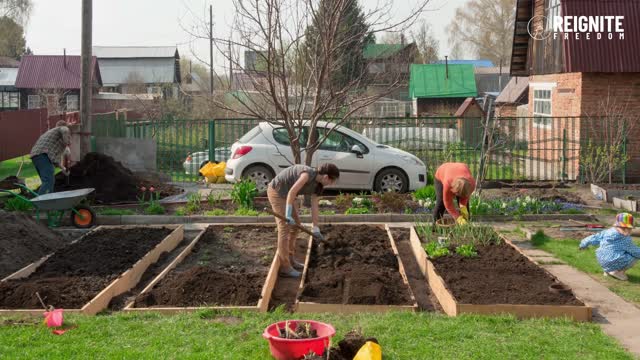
{"x": 325, "y": 203}
{"x": 504, "y": 205}
{"x": 421, "y": 202}
{"x": 357, "y": 200}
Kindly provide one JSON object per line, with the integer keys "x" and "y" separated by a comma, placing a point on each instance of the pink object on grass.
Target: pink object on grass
{"x": 54, "y": 318}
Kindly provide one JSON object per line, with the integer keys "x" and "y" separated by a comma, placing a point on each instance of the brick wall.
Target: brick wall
{"x": 506, "y": 110}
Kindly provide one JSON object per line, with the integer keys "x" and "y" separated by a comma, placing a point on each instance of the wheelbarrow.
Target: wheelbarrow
{"x": 58, "y": 203}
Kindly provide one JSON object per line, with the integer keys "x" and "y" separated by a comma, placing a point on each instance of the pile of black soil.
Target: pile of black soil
{"x": 113, "y": 182}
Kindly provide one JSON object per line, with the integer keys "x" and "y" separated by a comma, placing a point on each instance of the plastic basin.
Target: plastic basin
{"x": 291, "y": 349}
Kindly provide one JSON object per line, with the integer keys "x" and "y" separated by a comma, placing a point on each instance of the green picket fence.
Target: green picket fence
{"x": 520, "y": 148}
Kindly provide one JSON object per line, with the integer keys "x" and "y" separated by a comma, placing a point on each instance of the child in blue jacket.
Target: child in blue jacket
{"x": 616, "y": 251}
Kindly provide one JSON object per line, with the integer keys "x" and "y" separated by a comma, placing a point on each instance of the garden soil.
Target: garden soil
{"x": 354, "y": 265}
{"x": 78, "y": 272}
{"x": 499, "y": 275}
{"x": 417, "y": 281}
{"x": 228, "y": 266}
{"x": 114, "y": 183}
{"x": 23, "y": 241}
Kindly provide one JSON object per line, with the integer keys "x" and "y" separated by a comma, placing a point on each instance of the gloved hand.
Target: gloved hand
{"x": 317, "y": 234}
{"x": 461, "y": 221}
{"x": 289, "y": 215}
{"x": 464, "y": 212}
{"x": 65, "y": 171}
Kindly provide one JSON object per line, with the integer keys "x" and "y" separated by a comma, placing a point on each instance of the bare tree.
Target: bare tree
{"x": 293, "y": 87}
{"x": 427, "y": 44}
{"x": 486, "y": 28}
{"x": 55, "y": 100}
{"x": 134, "y": 84}
{"x": 18, "y": 10}
{"x": 607, "y": 131}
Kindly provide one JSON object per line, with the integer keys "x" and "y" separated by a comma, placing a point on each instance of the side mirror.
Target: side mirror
{"x": 356, "y": 149}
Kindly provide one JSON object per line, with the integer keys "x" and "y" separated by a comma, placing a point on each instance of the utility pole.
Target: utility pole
{"x": 86, "y": 77}
{"x": 211, "y": 47}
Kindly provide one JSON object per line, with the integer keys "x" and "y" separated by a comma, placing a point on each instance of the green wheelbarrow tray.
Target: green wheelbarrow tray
{"x": 63, "y": 200}
{"x": 57, "y": 203}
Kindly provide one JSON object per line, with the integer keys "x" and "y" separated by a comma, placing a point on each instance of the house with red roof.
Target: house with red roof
{"x": 53, "y": 82}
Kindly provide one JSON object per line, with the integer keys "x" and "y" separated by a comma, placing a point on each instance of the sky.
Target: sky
{"x": 55, "y": 24}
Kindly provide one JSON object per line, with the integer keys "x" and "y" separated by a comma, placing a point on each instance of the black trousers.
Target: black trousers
{"x": 439, "y": 209}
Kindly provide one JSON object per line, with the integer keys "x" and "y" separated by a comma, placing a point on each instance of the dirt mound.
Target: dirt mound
{"x": 113, "y": 181}
{"x": 499, "y": 275}
{"x": 354, "y": 265}
{"x": 77, "y": 272}
{"x": 23, "y": 241}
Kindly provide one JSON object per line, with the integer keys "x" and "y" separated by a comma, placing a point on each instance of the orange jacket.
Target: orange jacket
{"x": 448, "y": 172}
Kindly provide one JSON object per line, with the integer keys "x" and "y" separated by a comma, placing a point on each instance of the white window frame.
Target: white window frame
{"x": 540, "y": 119}
{"x": 73, "y": 99}
{"x": 552, "y": 9}
{"x": 14, "y": 100}
{"x": 34, "y": 102}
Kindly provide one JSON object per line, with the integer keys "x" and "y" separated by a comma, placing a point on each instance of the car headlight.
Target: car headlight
{"x": 413, "y": 160}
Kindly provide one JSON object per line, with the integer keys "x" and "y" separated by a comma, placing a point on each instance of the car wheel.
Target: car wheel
{"x": 391, "y": 180}
{"x": 260, "y": 175}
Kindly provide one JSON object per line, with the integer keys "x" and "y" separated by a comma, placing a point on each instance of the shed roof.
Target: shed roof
{"x": 476, "y": 63}
{"x": 430, "y": 81}
{"x": 516, "y": 90}
{"x": 128, "y": 52}
{"x": 53, "y": 72}
{"x": 466, "y": 105}
{"x": 381, "y": 51}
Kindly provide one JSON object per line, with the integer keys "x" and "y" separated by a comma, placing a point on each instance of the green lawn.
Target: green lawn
{"x": 567, "y": 251}
{"x": 209, "y": 335}
{"x": 28, "y": 172}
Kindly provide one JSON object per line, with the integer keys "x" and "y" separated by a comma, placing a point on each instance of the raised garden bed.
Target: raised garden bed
{"x": 85, "y": 275}
{"x": 355, "y": 269}
{"x": 608, "y": 192}
{"x": 224, "y": 267}
{"x": 501, "y": 279}
{"x": 629, "y": 203}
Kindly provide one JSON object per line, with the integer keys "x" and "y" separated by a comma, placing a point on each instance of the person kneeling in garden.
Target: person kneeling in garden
{"x": 616, "y": 251}
{"x": 453, "y": 180}
{"x": 282, "y": 192}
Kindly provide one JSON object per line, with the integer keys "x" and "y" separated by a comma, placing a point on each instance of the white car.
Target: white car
{"x": 264, "y": 151}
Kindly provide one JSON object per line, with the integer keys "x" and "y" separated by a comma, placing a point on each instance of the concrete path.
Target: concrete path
{"x": 617, "y": 317}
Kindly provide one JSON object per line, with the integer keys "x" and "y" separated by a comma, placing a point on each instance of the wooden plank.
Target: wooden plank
{"x": 576, "y": 313}
{"x": 403, "y": 273}
{"x": 418, "y": 251}
{"x": 101, "y": 301}
{"x": 27, "y": 270}
{"x": 310, "y": 307}
{"x": 439, "y": 289}
{"x": 307, "y": 258}
{"x": 131, "y": 277}
{"x": 269, "y": 284}
{"x": 265, "y": 295}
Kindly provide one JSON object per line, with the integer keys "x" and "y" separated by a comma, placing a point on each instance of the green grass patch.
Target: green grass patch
{"x": 221, "y": 335}
{"x": 114, "y": 211}
{"x": 585, "y": 260}
{"x": 10, "y": 168}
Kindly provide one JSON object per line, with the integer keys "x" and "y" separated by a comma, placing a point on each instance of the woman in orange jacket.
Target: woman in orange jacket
{"x": 453, "y": 180}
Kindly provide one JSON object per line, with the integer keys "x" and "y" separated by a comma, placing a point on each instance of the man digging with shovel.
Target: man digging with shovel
{"x": 48, "y": 152}
{"x": 282, "y": 192}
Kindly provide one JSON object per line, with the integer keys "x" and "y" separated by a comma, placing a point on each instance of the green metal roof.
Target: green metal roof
{"x": 429, "y": 81}
{"x": 381, "y": 51}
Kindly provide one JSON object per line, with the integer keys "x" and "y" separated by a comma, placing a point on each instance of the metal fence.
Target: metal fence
{"x": 518, "y": 148}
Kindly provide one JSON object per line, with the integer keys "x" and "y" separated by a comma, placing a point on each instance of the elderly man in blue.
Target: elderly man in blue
{"x": 616, "y": 252}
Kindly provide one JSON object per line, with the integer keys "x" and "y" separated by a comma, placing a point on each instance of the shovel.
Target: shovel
{"x": 298, "y": 226}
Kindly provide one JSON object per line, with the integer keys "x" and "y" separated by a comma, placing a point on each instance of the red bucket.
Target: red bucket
{"x": 291, "y": 349}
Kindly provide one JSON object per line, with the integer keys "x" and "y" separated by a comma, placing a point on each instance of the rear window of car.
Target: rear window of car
{"x": 250, "y": 135}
